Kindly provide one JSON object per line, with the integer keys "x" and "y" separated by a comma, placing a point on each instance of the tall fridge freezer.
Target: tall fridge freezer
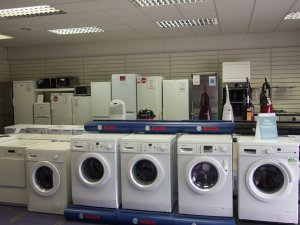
{"x": 149, "y": 94}
{"x": 176, "y": 99}
{"x": 61, "y": 107}
{"x": 124, "y": 88}
{"x": 205, "y": 91}
{"x": 6, "y": 107}
{"x": 24, "y": 97}
{"x": 100, "y": 100}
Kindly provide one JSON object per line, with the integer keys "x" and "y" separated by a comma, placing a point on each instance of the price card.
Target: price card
{"x": 266, "y": 126}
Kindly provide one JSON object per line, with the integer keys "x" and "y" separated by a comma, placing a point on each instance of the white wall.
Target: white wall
{"x": 186, "y": 44}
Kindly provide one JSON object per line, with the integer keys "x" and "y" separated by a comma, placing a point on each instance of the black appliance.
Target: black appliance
{"x": 82, "y": 90}
{"x": 146, "y": 114}
{"x": 6, "y": 106}
{"x": 46, "y": 83}
{"x": 66, "y": 82}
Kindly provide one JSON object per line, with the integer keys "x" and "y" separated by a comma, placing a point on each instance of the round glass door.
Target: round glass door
{"x": 269, "y": 179}
{"x": 205, "y": 175}
{"x": 145, "y": 172}
{"x": 45, "y": 178}
{"x": 93, "y": 170}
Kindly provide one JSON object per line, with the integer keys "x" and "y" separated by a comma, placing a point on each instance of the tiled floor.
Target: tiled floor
{"x": 12, "y": 215}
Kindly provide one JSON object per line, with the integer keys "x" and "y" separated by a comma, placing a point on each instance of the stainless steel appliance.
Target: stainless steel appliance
{"x": 6, "y": 107}
{"x": 82, "y": 90}
{"x": 207, "y": 83}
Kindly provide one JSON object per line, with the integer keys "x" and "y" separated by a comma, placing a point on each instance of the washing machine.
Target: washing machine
{"x": 60, "y": 129}
{"x": 77, "y": 129}
{"x": 6, "y": 138}
{"x": 268, "y": 180}
{"x": 53, "y": 137}
{"x": 17, "y": 128}
{"x": 12, "y": 170}
{"x": 205, "y": 175}
{"x": 37, "y": 128}
{"x": 148, "y": 172}
{"x": 96, "y": 170}
{"x": 48, "y": 177}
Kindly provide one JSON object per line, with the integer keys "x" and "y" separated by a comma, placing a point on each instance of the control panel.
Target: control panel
{"x": 269, "y": 150}
{"x": 99, "y": 146}
{"x": 146, "y": 147}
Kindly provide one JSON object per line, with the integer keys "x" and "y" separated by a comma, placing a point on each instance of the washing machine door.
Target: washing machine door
{"x": 93, "y": 170}
{"x": 45, "y": 178}
{"x": 269, "y": 179}
{"x": 205, "y": 175}
{"x": 145, "y": 172}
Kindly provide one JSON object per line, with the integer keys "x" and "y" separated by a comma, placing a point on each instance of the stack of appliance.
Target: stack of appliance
{"x": 57, "y": 82}
{"x": 42, "y": 113}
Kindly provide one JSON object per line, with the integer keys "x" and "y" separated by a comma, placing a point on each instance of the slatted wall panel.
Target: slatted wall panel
{"x": 286, "y": 79}
{"x": 65, "y": 67}
{"x": 27, "y": 69}
{"x": 260, "y": 62}
{"x": 101, "y": 68}
{"x": 149, "y": 64}
{"x": 4, "y": 71}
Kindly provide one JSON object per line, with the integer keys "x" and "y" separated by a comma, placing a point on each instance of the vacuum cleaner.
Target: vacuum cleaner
{"x": 227, "y": 109}
{"x": 265, "y": 98}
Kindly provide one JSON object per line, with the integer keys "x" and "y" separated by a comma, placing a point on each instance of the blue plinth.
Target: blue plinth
{"x": 129, "y": 217}
{"x": 90, "y": 214}
{"x": 202, "y": 220}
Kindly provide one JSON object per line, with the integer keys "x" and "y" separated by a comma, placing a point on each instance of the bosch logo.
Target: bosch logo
{"x": 158, "y": 128}
{"x": 92, "y": 217}
{"x": 109, "y": 127}
{"x": 148, "y": 222}
{"x": 211, "y": 128}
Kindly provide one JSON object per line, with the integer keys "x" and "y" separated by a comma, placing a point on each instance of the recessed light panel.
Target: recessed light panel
{"x": 77, "y": 30}
{"x": 292, "y": 16}
{"x": 41, "y": 10}
{"x": 145, "y": 3}
{"x": 187, "y": 23}
{"x": 3, "y": 37}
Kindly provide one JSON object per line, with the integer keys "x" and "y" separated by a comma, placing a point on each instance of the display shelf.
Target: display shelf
{"x": 54, "y": 89}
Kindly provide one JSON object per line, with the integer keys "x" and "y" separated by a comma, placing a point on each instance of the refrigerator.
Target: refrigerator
{"x": 81, "y": 107}
{"x": 124, "y": 88}
{"x": 149, "y": 94}
{"x": 42, "y": 113}
{"x": 176, "y": 99}
{"x": 61, "y": 108}
{"x": 24, "y": 96}
{"x": 6, "y": 107}
{"x": 100, "y": 100}
{"x": 205, "y": 83}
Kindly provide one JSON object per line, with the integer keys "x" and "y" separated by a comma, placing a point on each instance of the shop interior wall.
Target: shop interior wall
{"x": 280, "y": 65}
{"x": 4, "y": 65}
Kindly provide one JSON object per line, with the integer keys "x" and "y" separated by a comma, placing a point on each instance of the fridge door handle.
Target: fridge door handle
{"x": 13, "y": 102}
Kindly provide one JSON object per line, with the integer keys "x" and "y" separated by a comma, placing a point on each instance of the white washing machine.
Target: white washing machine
{"x": 60, "y": 129}
{"x": 53, "y": 137}
{"x": 12, "y": 170}
{"x": 205, "y": 175}
{"x": 37, "y": 128}
{"x": 96, "y": 170}
{"x": 268, "y": 180}
{"x": 49, "y": 177}
{"x": 18, "y": 128}
{"x": 7, "y": 137}
{"x": 78, "y": 129}
{"x": 148, "y": 172}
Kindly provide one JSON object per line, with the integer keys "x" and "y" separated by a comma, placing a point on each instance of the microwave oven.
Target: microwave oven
{"x": 46, "y": 83}
{"x": 66, "y": 82}
{"x": 83, "y": 90}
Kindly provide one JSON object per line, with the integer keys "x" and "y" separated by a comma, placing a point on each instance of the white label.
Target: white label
{"x": 65, "y": 100}
{"x": 212, "y": 81}
{"x": 40, "y": 99}
{"x": 75, "y": 102}
{"x": 196, "y": 79}
{"x": 150, "y": 84}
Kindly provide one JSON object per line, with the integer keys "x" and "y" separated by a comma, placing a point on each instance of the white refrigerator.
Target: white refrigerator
{"x": 149, "y": 94}
{"x": 176, "y": 99}
{"x": 81, "y": 107}
{"x": 23, "y": 98}
{"x": 100, "y": 100}
{"x": 124, "y": 88}
{"x": 42, "y": 113}
{"x": 61, "y": 107}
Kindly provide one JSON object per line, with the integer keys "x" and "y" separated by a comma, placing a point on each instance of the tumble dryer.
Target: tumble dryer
{"x": 12, "y": 170}
{"x": 268, "y": 180}
{"x": 148, "y": 173}
{"x": 205, "y": 175}
{"x": 96, "y": 170}
{"x": 48, "y": 177}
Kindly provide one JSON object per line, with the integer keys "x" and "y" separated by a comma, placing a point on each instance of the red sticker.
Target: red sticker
{"x": 55, "y": 98}
{"x": 144, "y": 80}
{"x": 122, "y": 78}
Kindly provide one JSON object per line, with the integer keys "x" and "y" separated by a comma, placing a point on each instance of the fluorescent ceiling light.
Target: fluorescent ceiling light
{"x": 2, "y": 37}
{"x": 41, "y": 10}
{"x": 292, "y": 16}
{"x": 77, "y": 30}
{"x": 145, "y": 3}
{"x": 188, "y": 23}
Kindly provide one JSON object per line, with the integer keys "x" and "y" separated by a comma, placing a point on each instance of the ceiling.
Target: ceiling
{"x": 121, "y": 20}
